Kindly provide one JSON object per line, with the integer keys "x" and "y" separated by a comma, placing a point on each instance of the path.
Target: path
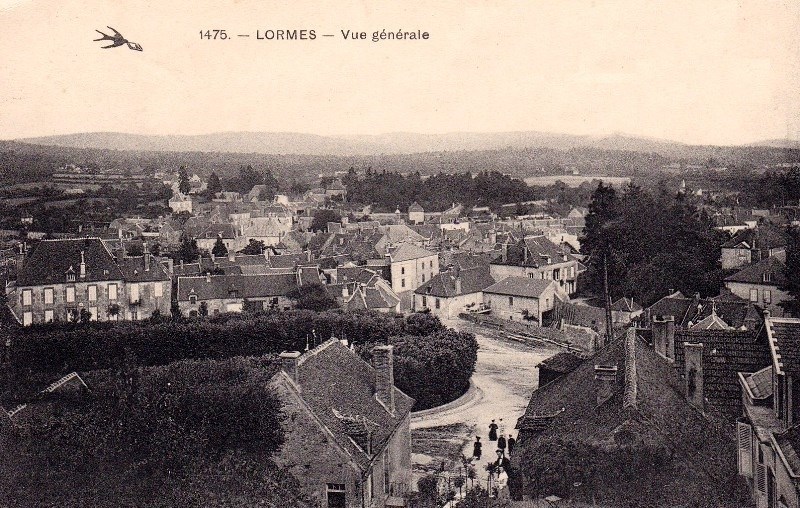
{"x": 504, "y": 378}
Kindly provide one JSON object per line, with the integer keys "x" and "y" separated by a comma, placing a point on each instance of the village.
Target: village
{"x": 591, "y": 384}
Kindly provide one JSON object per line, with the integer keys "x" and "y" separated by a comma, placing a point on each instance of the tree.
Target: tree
{"x": 183, "y": 180}
{"x": 203, "y": 310}
{"x": 321, "y": 219}
{"x": 313, "y": 297}
{"x": 219, "y": 248}
{"x": 254, "y": 247}
{"x": 792, "y": 272}
{"x": 214, "y": 185}
{"x": 188, "y": 251}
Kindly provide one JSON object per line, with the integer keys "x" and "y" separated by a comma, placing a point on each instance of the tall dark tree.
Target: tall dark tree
{"x": 214, "y": 184}
{"x": 183, "y": 180}
{"x": 321, "y": 219}
{"x": 792, "y": 272}
{"x": 254, "y": 247}
{"x": 219, "y": 248}
{"x": 188, "y": 251}
{"x": 313, "y": 297}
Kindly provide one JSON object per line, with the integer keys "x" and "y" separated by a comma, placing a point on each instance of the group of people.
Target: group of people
{"x": 502, "y": 443}
{"x": 499, "y": 469}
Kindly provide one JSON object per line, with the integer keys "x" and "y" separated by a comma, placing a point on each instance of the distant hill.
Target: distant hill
{"x": 289, "y": 143}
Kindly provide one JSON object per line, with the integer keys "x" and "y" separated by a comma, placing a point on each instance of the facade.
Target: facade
{"x": 768, "y": 433}
{"x": 62, "y": 280}
{"x": 180, "y": 203}
{"x": 416, "y": 214}
{"x": 539, "y": 258}
{"x": 450, "y": 293}
{"x": 523, "y": 298}
{"x": 233, "y": 293}
{"x": 410, "y": 267}
{"x": 347, "y": 427}
{"x": 760, "y": 283}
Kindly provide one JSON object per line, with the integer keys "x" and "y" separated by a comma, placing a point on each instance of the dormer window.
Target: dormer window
{"x": 193, "y": 299}
{"x": 71, "y": 275}
{"x": 767, "y": 277}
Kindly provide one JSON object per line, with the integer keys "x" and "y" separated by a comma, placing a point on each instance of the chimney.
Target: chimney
{"x": 383, "y": 363}
{"x": 83, "y": 266}
{"x": 693, "y": 374}
{"x": 208, "y": 277}
{"x": 458, "y": 283}
{"x": 231, "y": 256}
{"x": 289, "y": 361}
{"x": 664, "y": 336}
{"x": 605, "y": 382}
{"x": 146, "y": 253}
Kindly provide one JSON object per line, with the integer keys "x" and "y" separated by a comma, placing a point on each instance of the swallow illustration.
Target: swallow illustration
{"x": 118, "y": 40}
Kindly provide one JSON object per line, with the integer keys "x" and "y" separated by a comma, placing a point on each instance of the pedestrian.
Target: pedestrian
{"x": 492, "y": 431}
{"x": 501, "y": 444}
{"x": 476, "y": 448}
{"x": 502, "y": 461}
{"x": 511, "y": 443}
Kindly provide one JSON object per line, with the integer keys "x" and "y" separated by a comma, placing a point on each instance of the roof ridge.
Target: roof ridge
{"x": 315, "y": 351}
{"x": 630, "y": 394}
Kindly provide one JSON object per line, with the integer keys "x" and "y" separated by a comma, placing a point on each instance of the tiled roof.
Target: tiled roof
{"x": 287, "y": 260}
{"x": 409, "y": 251}
{"x": 50, "y": 261}
{"x": 784, "y": 340}
{"x": 711, "y": 322}
{"x": 443, "y": 285}
{"x": 765, "y": 236}
{"x": 372, "y": 298}
{"x": 567, "y": 409}
{"x": 563, "y": 362}
{"x": 520, "y": 286}
{"x": 760, "y": 383}
{"x": 415, "y": 207}
{"x": 243, "y": 286}
{"x": 736, "y": 313}
{"x": 338, "y": 386}
{"x": 133, "y": 270}
{"x": 789, "y": 443}
{"x": 540, "y": 252}
{"x": 755, "y": 273}
{"x": 221, "y": 230}
{"x": 725, "y": 354}
{"x": 401, "y": 233}
{"x": 626, "y": 305}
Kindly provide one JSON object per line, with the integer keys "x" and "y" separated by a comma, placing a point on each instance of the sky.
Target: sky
{"x": 708, "y": 72}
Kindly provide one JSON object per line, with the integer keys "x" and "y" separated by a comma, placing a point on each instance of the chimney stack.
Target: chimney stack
{"x": 289, "y": 361}
{"x": 693, "y": 374}
{"x": 146, "y": 255}
{"x": 605, "y": 382}
{"x": 664, "y": 336}
{"x": 458, "y": 283}
{"x": 383, "y": 363}
{"x": 83, "y": 266}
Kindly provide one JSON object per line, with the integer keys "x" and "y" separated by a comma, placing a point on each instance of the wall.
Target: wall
{"x": 503, "y": 310}
{"x": 734, "y": 258}
{"x": 742, "y": 290}
{"x": 448, "y": 307}
{"x": 568, "y": 273}
{"x": 60, "y": 305}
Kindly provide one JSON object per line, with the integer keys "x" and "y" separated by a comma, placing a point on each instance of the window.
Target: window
{"x": 134, "y": 314}
{"x": 158, "y": 290}
{"x": 424, "y": 301}
{"x": 134, "y": 293}
{"x": 530, "y": 275}
{"x": 754, "y": 295}
{"x": 92, "y": 313}
{"x": 336, "y": 495}
{"x": 27, "y": 318}
{"x": 48, "y": 316}
{"x": 70, "y": 294}
{"x": 542, "y": 275}
{"x": 70, "y": 276}
{"x": 423, "y": 277}
{"x": 511, "y": 301}
{"x": 767, "y": 296}
{"x": 403, "y": 283}
{"x": 767, "y": 277}
{"x": 438, "y": 303}
{"x": 402, "y": 270}
{"x": 92, "y": 293}
{"x": 193, "y": 299}
{"x": 27, "y": 297}
{"x": 112, "y": 291}
{"x": 48, "y": 296}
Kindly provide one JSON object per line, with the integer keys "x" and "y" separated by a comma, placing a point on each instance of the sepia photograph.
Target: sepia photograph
{"x": 385, "y": 253}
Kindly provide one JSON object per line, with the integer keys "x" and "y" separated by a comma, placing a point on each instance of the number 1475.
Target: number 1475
{"x": 213, "y": 34}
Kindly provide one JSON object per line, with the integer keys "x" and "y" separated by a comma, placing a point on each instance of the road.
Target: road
{"x": 505, "y": 376}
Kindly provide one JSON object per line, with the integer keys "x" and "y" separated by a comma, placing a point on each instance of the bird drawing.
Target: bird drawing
{"x": 118, "y": 40}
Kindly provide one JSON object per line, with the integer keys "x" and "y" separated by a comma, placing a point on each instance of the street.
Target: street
{"x": 504, "y": 378}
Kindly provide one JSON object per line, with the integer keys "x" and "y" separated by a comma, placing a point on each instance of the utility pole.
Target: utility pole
{"x": 609, "y": 329}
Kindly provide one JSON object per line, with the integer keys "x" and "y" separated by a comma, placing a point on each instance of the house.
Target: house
{"x": 59, "y": 278}
{"x": 180, "y": 203}
{"x": 718, "y": 354}
{"x": 539, "y": 258}
{"x": 416, "y": 214}
{"x": 148, "y": 287}
{"x": 626, "y": 402}
{"x": 410, "y": 267}
{"x": 761, "y": 284}
{"x": 523, "y": 298}
{"x": 207, "y": 238}
{"x": 336, "y": 190}
{"x": 751, "y": 245}
{"x": 557, "y": 366}
{"x": 347, "y": 427}
{"x": 769, "y": 431}
{"x": 687, "y": 311}
{"x": 234, "y": 293}
{"x": 624, "y": 310}
{"x": 449, "y": 293}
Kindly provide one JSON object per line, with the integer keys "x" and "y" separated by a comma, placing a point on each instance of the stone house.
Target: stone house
{"x": 416, "y": 214}
{"x": 449, "y": 293}
{"x": 231, "y": 293}
{"x": 761, "y": 284}
{"x": 347, "y": 427}
{"x": 539, "y": 258}
{"x": 523, "y": 298}
{"x": 768, "y": 433}
{"x": 410, "y": 267}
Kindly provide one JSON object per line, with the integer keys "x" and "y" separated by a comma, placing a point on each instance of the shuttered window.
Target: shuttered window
{"x": 744, "y": 434}
{"x": 761, "y": 478}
